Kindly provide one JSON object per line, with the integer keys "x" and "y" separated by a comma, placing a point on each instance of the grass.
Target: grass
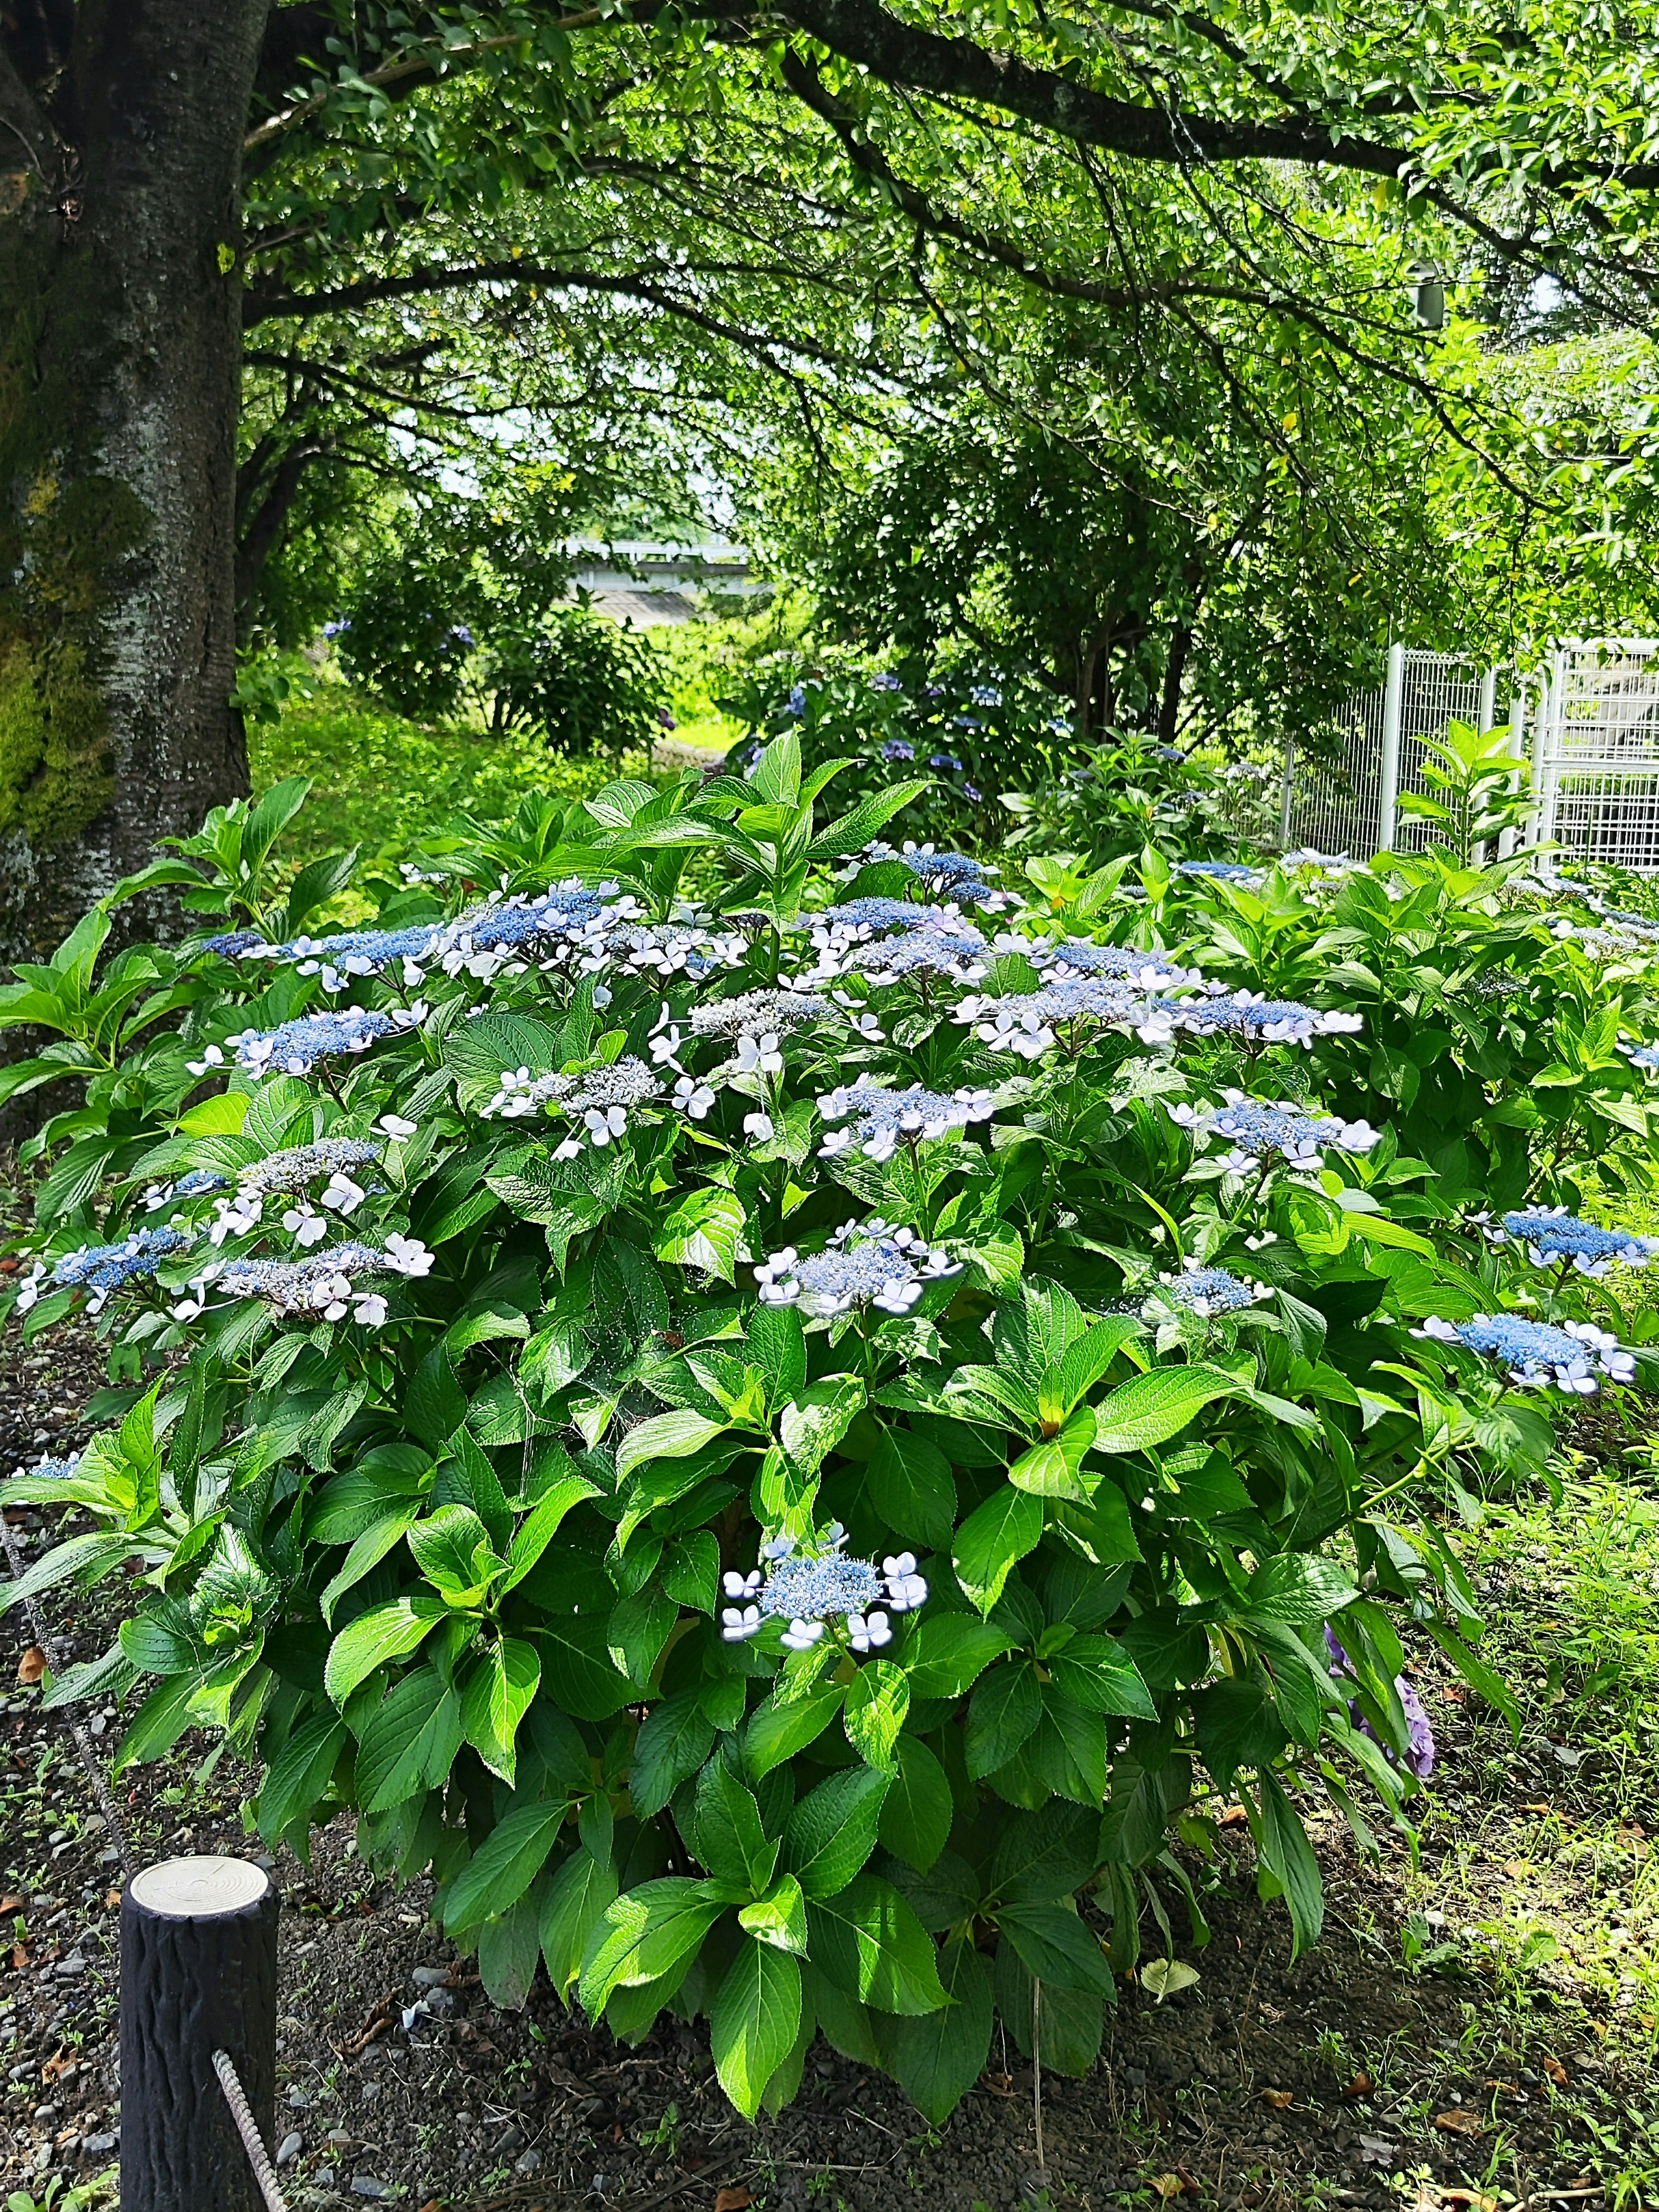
{"x": 380, "y": 781}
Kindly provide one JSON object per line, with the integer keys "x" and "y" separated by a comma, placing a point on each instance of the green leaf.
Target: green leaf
{"x": 1081, "y": 1365}
{"x": 756, "y": 2018}
{"x": 370, "y": 1548}
{"x": 452, "y": 1549}
{"x": 316, "y": 883}
{"x": 1006, "y": 1708}
{"x": 705, "y": 1231}
{"x": 1298, "y": 1590}
{"x": 946, "y": 1653}
{"x": 832, "y": 1831}
{"x": 731, "y": 1841}
{"x": 776, "y": 1732}
{"x": 877, "y": 1699}
{"x": 409, "y": 1741}
{"x": 1058, "y": 1947}
{"x": 636, "y": 1632}
{"x": 644, "y": 1935}
{"x": 869, "y": 1941}
{"x": 505, "y": 1678}
{"x": 779, "y": 1918}
{"x": 534, "y": 1535}
{"x": 996, "y": 1534}
{"x": 577, "y": 1669}
{"x": 436, "y": 1406}
{"x": 674, "y": 1435}
{"x": 299, "y": 1773}
{"x": 674, "y": 1740}
{"x": 1152, "y": 1408}
{"x": 938, "y": 2056}
{"x": 1053, "y": 1469}
{"x": 508, "y": 1947}
{"x": 917, "y": 1811}
{"x": 575, "y": 1903}
{"x": 504, "y": 1865}
{"x": 1098, "y": 1674}
{"x": 384, "y": 1633}
{"x": 910, "y": 1485}
{"x": 1288, "y": 1855}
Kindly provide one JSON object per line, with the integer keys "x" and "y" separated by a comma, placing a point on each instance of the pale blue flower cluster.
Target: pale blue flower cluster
{"x": 1538, "y": 1354}
{"x": 103, "y": 1268}
{"x": 196, "y": 1184}
{"x": 1643, "y": 1056}
{"x": 299, "y": 1166}
{"x": 47, "y": 1470}
{"x": 985, "y": 694}
{"x": 956, "y": 876}
{"x": 1221, "y": 872}
{"x": 872, "y": 1262}
{"x": 324, "y": 1283}
{"x": 952, "y": 953}
{"x": 596, "y": 1102}
{"x": 1029, "y": 1023}
{"x": 230, "y": 944}
{"x": 879, "y": 1119}
{"x": 898, "y": 749}
{"x": 1553, "y": 1237}
{"x": 295, "y": 1047}
{"x": 1262, "y": 1130}
{"x": 756, "y": 1014}
{"x": 1258, "y": 1020}
{"x": 354, "y": 952}
{"x": 884, "y": 680}
{"x": 810, "y": 1587}
{"x": 1208, "y": 1292}
{"x": 1125, "y": 964}
{"x": 855, "y": 920}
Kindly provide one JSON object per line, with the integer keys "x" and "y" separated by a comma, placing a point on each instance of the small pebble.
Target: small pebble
{"x": 527, "y": 2162}
{"x": 365, "y": 2185}
{"x": 288, "y": 2149}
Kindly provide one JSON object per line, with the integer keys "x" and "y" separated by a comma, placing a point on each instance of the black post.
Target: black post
{"x": 198, "y": 1974}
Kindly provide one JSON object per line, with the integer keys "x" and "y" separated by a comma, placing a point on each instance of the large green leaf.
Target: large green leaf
{"x": 938, "y": 2056}
{"x": 1057, "y": 1947}
{"x": 832, "y": 1831}
{"x": 1152, "y": 1408}
{"x": 674, "y": 1740}
{"x": 505, "y": 1678}
{"x": 877, "y": 1699}
{"x": 673, "y": 1435}
{"x": 644, "y": 1935}
{"x": 869, "y": 1941}
{"x": 1297, "y": 1589}
{"x": 946, "y": 1653}
{"x": 917, "y": 1811}
{"x": 1098, "y": 1674}
{"x": 1288, "y": 1855}
{"x": 995, "y": 1535}
{"x": 576, "y": 1902}
{"x": 776, "y": 1732}
{"x": 756, "y": 2016}
{"x": 384, "y": 1633}
{"x": 1006, "y": 1708}
{"x": 504, "y": 1865}
{"x": 410, "y": 1742}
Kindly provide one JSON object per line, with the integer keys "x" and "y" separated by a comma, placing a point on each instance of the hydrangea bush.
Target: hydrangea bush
{"x": 797, "y": 1513}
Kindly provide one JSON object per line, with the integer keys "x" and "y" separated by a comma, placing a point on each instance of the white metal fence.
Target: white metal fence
{"x": 1595, "y": 753}
{"x": 1351, "y": 804}
{"x": 1594, "y": 715}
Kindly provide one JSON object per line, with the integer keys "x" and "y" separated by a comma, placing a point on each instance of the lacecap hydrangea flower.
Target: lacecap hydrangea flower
{"x": 1029, "y": 1023}
{"x": 326, "y": 1283}
{"x": 872, "y": 1262}
{"x": 1257, "y": 1020}
{"x": 879, "y": 1119}
{"x": 1538, "y": 1354}
{"x": 295, "y": 1047}
{"x": 597, "y": 1103}
{"x": 102, "y": 1268}
{"x": 1260, "y": 1129}
{"x": 1221, "y": 872}
{"x": 810, "y": 1587}
{"x": 1207, "y": 1291}
{"x": 1555, "y": 1237}
{"x": 1123, "y": 963}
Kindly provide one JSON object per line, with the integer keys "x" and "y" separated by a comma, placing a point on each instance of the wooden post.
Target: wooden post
{"x": 198, "y": 1973}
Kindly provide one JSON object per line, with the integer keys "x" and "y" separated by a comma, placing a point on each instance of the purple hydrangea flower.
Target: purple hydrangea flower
{"x": 1418, "y": 1756}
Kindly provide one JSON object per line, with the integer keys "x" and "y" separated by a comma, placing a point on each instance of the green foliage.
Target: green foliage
{"x": 1482, "y": 789}
{"x": 455, "y": 1534}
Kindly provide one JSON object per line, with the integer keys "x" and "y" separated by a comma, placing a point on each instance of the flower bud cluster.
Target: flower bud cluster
{"x": 1257, "y": 1020}
{"x": 101, "y": 1268}
{"x": 295, "y": 1047}
{"x": 1207, "y": 1291}
{"x": 597, "y": 1101}
{"x": 326, "y": 1284}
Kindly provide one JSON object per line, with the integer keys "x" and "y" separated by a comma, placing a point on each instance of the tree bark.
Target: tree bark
{"x": 119, "y": 349}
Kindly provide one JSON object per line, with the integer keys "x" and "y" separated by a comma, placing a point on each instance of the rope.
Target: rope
{"x": 247, "y": 2127}
{"x": 89, "y": 1759}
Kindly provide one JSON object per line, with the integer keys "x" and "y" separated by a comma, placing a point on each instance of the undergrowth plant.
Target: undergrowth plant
{"x": 796, "y": 1449}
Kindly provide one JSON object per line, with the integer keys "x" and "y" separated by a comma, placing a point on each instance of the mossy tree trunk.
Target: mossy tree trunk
{"x": 121, "y": 124}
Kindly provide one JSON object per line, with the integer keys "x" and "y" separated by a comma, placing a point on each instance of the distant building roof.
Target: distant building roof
{"x": 631, "y": 579}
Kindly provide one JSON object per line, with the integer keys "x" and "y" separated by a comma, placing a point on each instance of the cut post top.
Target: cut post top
{"x": 198, "y": 1888}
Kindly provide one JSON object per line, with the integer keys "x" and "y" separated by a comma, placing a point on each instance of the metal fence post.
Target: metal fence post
{"x": 1517, "y": 748}
{"x": 1387, "y": 789}
{"x": 198, "y": 1973}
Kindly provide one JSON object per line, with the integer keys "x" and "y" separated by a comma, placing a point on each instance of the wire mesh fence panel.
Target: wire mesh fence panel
{"x": 1333, "y": 805}
{"x": 1597, "y": 755}
{"x": 1349, "y": 805}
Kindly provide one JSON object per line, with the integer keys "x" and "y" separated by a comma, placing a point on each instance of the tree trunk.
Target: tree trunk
{"x": 119, "y": 345}
{"x": 1169, "y": 710}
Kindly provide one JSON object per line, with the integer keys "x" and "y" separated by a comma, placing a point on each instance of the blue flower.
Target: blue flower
{"x": 229, "y": 943}
{"x": 811, "y": 1586}
{"x": 296, "y": 1047}
{"x": 359, "y": 952}
{"x": 886, "y": 681}
{"x": 46, "y": 1469}
{"x": 858, "y": 918}
{"x": 1221, "y": 871}
{"x": 337, "y": 628}
{"x": 101, "y": 1268}
{"x": 972, "y": 792}
{"x": 298, "y": 1166}
{"x": 985, "y": 694}
{"x": 874, "y": 1262}
{"x": 798, "y": 699}
{"x": 1645, "y": 1056}
{"x": 1152, "y": 971}
{"x": 898, "y": 749}
{"x": 1207, "y": 1291}
{"x": 666, "y": 718}
{"x": 1418, "y": 1756}
{"x": 1262, "y": 1130}
{"x": 462, "y": 634}
{"x": 1259, "y": 1020}
{"x": 942, "y": 951}
{"x": 1537, "y": 1353}
{"x": 1028, "y": 1022}
{"x": 957, "y": 876}
{"x": 1551, "y": 1238}
{"x": 950, "y": 760}
{"x": 879, "y": 1119}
